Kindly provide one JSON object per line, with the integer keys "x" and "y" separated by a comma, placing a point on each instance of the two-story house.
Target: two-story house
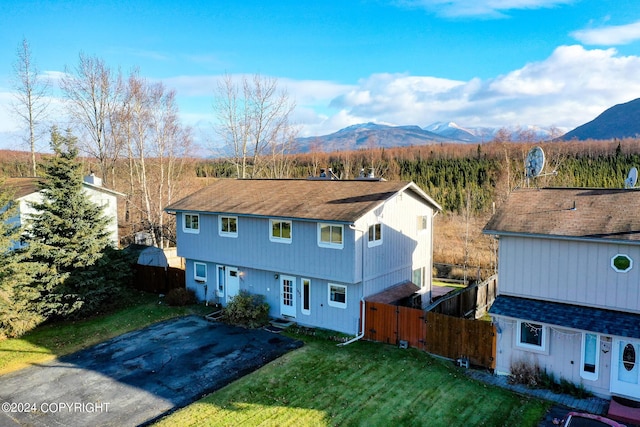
{"x": 27, "y": 191}
{"x": 569, "y": 286}
{"x": 314, "y": 248}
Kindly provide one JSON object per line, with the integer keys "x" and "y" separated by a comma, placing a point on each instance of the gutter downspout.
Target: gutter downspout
{"x": 361, "y": 334}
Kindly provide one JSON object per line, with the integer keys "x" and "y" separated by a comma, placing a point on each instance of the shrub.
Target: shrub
{"x": 525, "y": 373}
{"x": 180, "y": 297}
{"x": 247, "y": 310}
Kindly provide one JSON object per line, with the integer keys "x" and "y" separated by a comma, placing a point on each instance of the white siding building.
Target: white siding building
{"x": 569, "y": 286}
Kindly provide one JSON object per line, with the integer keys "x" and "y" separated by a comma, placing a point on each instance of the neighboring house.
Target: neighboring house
{"x": 314, "y": 248}
{"x": 27, "y": 191}
{"x": 569, "y": 286}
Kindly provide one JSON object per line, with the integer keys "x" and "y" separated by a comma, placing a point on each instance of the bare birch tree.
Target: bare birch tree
{"x": 158, "y": 147}
{"x": 251, "y": 116}
{"x": 92, "y": 91}
{"x": 31, "y": 92}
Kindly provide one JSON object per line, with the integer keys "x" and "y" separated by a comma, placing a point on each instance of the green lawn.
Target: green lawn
{"x": 49, "y": 341}
{"x": 364, "y": 384}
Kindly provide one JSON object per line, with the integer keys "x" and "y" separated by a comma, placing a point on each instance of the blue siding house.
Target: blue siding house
{"x": 314, "y": 248}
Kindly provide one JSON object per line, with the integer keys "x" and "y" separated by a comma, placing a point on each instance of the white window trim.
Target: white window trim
{"x": 616, "y": 268}
{"x": 220, "y": 292}
{"x": 226, "y": 233}
{"x": 189, "y": 229}
{"x": 423, "y": 223}
{"x": 372, "y": 243}
{"x": 336, "y": 303}
{"x": 280, "y": 239}
{"x": 543, "y": 342}
{"x": 329, "y": 244}
{"x": 593, "y": 376}
{"x": 195, "y": 272}
{"x": 303, "y": 310}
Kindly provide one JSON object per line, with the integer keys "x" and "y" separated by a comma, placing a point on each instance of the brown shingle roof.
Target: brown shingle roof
{"x": 329, "y": 200}
{"x": 570, "y": 212}
{"x": 21, "y": 186}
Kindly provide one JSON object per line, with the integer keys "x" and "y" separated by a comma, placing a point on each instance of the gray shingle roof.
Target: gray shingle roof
{"x": 607, "y": 322}
{"x": 329, "y": 200}
{"x": 570, "y": 212}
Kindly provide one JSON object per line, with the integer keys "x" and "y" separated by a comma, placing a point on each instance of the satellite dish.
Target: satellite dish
{"x": 534, "y": 163}
{"x": 632, "y": 178}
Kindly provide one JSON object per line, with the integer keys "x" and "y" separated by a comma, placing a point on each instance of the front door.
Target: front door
{"x": 232, "y": 282}
{"x": 288, "y": 296}
{"x": 625, "y": 368}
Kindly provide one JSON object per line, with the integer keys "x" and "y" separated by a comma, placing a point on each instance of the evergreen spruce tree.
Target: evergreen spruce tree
{"x": 16, "y": 313}
{"x": 68, "y": 238}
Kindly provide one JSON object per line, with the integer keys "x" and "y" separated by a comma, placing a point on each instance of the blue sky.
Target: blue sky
{"x": 475, "y": 62}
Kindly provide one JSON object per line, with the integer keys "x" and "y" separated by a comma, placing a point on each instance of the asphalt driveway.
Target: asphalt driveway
{"x": 136, "y": 377}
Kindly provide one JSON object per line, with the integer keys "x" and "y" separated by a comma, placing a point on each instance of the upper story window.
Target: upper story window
{"x": 280, "y": 231}
{"x": 191, "y": 223}
{"x": 375, "y": 235}
{"x": 423, "y": 222}
{"x": 532, "y": 336}
{"x": 228, "y": 226}
{"x": 330, "y": 235}
{"x": 621, "y": 263}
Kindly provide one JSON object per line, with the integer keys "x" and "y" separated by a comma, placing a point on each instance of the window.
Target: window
{"x": 280, "y": 231}
{"x": 306, "y": 296}
{"x": 417, "y": 276}
{"x": 590, "y": 356}
{"x": 423, "y": 222}
{"x": 191, "y": 223}
{"x": 200, "y": 271}
{"x": 532, "y": 336}
{"x": 330, "y": 236}
{"x": 621, "y": 263}
{"x": 375, "y": 235}
{"x": 220, "y": 281}
{"x": 337, "y": 295}
{"x": 229, "y": 226}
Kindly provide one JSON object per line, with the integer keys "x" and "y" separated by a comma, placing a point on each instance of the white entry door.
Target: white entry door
{"x": 232, "y": 282}
{"x": 625, "y": 368}
{"x": 288, "y": 296}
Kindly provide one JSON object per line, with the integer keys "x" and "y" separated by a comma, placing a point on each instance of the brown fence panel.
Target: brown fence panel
{"x": 158, "y": 279}
{"x": 175, "y": 278}
{"x": 453, "y": 338}
{"x": 412, "y": 326}
{"x": 149, "y": 278}
{"x": 381, "y": 322}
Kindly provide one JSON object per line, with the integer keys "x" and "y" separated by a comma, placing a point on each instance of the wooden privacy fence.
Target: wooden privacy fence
{"x": 158, "y": 280}
{"x": 471, "y": 302}
{"x": 435, "y": 333}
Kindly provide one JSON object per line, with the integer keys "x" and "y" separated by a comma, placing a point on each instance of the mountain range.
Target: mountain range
{"x": 619, "y": 121}
{"x": 368, "y": 135}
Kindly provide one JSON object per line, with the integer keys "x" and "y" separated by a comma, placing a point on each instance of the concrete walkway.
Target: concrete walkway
{"x": 593, "y": 405}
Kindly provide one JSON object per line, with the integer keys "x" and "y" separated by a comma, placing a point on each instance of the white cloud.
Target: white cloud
{"x": 480, "y": 8}
{"x": 609, "y": 36}
{"x": 567, "y": 89}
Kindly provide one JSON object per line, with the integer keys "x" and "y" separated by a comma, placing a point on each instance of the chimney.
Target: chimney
{"x": 93, "y": 180}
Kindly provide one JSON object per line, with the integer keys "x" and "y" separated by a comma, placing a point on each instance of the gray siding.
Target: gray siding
{"x": 570, "y": 272}
{"x": 253, "y": 248}
{"x": 404, "y": 247}
{"x": 261, "y": 282}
